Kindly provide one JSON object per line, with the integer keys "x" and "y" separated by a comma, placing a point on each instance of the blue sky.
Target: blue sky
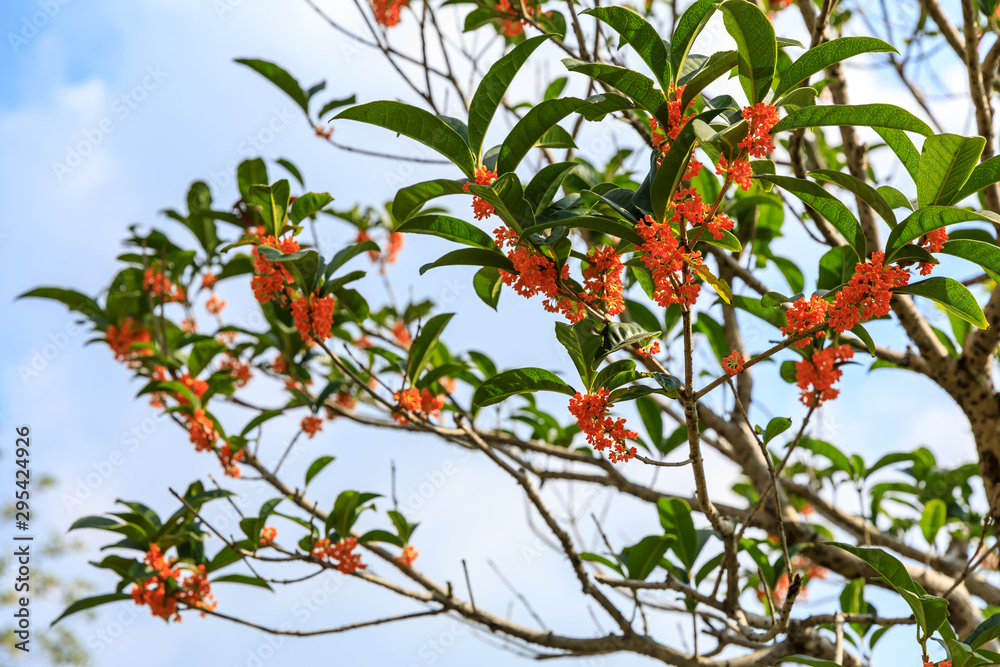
{"x": 153, "y": 86}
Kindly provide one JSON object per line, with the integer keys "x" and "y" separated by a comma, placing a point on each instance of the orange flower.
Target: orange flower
{"x": 395, "y": 246}
{"x": 363, "y": 236}
{"x": 407, "y": 399}
{"x": 387, "y": 11}
{"x": 343, "y": 554}
{"x": 602, "y": 431}
{"x": 401, "y": 334}
{"x": 208, "y": 280}
{"x": 430, "y": 403}
{"x": 228, "y": 459}
{"x": 312, "y": 426}
{"x": 603, "y": 283}
{"x": 121, "y": 340}
{"x": 193, "y": 591}
{"x": 481, "y": 208}
{"x": 665, "y": 258}
{"x": 214, "y": 305}
{"x": 536, "y": 274}
{"x": 933, "y": 241}
{"x": 313, "y": 316}
{"x": 271, "y": 277}
{"x": 160, "y": 286}
{"x": 408, "y": 556}
{"x": 188, "y": 324}
{"x": 267, "y": 535}
{"x": 733, "y": 364}
{"x": 279, "y": 365}
{"x": 238, "y": 370}
{"x": 761, "y": 118}
{"x": 201, "y": 431}
{"x": 867, "y": 294}
{"x": 197, "y": 387}
{"x": 816, "y": 377}
{"x": 804, "y": 315}
{"x": 740, "y": 172}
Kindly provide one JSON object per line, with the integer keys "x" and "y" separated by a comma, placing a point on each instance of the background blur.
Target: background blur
{"x": 108, "y": 111}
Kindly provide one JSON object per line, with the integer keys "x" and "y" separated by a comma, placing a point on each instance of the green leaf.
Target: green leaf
{"x": 336, "y": 104}
{"x": 582, "y": 345}
{"x": 471, "y": 257}
{"x": 946, "y": 162}
{"x": 532, "y": 126}
{"x": 640, "y": 35}
{"x": 416, "y": 124}
{"x": 867, "y": 115}
{"x": 598, "y": 224}
{"x": 507, "y": 197}
{"x": 544, "y": 185}
{"x": 820, "y": 57}
{"x": 951, "y": 295}
{"x": 638, "y": 87}
{"x": 717, "y": 65}
{"x": 860, "y": 189}
{"x": 273, "y": 202}
{"x": 675, "y": 517}
{"x": 984, "y": 633}
{"x": 926, "y": 220}
{"x": 242, "y": 579}
{"x": 642, "y": 558}
{"x": 776, "y": 427}
{"x": 317, "y": 466}
{"x": 986, "y": 173}
{"x": 72, "y": 299}
{"x": 618, "y": 335}
{"x": 308, "y": 204}
{"x": 831, "y": 208}
{"x": 487, "y": 283}
{"x": 690, "y": 24}
{"x": 930, "y": 612}
{"x": 89, "y": 603}
{"x": 652, "y": 420}
{"x": 521, "y": 381}
{"x": 933, "y": 518}
{"x": 756, "y": 45}
{"x": 281, "y": 79}
{"x": 986, "y": 255}
{"x": 807, "y": 660}
{"x": 903, "y": 147}
{"x": 772, "y": 315}
{"x": 493, "y": 87}
{"x": 202, "y": 354}
{"x": 411, "y": 198}
{"x": 894, "y": 197}
{"x": 865, "y": 337}
{"x": 423, "y": 345}
{"x": 449, "y": 228}
{"x": 839, "y": 460}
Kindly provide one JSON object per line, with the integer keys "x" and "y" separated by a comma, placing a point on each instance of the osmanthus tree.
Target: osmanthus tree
{"x": 639, "y": 272}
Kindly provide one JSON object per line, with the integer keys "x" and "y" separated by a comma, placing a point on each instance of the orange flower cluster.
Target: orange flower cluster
{"x": 421, "y": 402}
{"x": 312, "y": 425}
{"x": 395, "y": 246}
{"x": 239, "y": 370}
{"x": 603, "y": 432}
{"x": 648, "y": 349}
{"x": 867, "y": 295}
{"x": 313, "y": 316}
{"x": 160, "y": 286}
{"x": 536, "y": 274}
{"x": 197, "y": 387}
{"x": 739, "y": 172}
{"x": 387, "y": 11}
{"x": 676, "y": 120}
{"x": 816, "y": 377}
{"x": 271, "y": 278}
{"x": 480, "y": 207}
{"x": 514, "y": 25}
{"x": 603, "y": 282}
{"x": 665, "y": 258}
{"x": 761, "y": 118}
{"x": 228, "y": 459}
{"x": 120, "y": 340}
{"x": 408, "y": 556}
{"x": 267, "y": 535}
{"x": 201, "y": 430}
{"x": 733, "y": 364}
{"x": 804, "y": 315}
{"x": 342, "y": 553}
{"x": 933, "y": 241}
{"x": 193, "y": 591}
{"x": 945, "y": 663}
{"x": 214, "y": 305}
{"x": 363, "y": 236}
{"x": 208, "y": 280}
{"x": 400, "y": 333}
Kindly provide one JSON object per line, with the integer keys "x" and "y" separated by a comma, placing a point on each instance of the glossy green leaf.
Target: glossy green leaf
{"x": 595, "y": 223}
{"x": 689, "y": 25}
{"x": 829, "y": 53}
{"x": 637, "y": 87}
{"x": 984, "y": 633}
{"x": 903, "y": 147}
{"x": 866, "y": 115}
{"x": 860, "y": 189}
{"x": 521, "y": 381}
{"x": 933, "y": 518}
{"x": 493, "y": 87}
{"x": 449, "y": 228}
{"x": 90, "y": 603}
{"x": 544, "y": 185}
{"x": 244, "y": 579}
{"x": 488, "y": 283}
{"x": 951, "y": 295}
{"x": 831, "y": 208}
{"x": 531, "y": 127}
{"x": 273, "y": 203}
{"x": 986, "y": 173}
{"x": 410, "y": 199}
{"x": 717, "y": 65}
{"x": 755, "y": 44}
{"x": 986, "y": 255}
{"x": 423, "y": 345}
{"x": 316, "y": 467}
{"x": 507, "y": 197}
{"x": 308, "y": 205}
{"x": 471, "y": 257}
{"x": 281, "y": 78}
{"x": 894, "y": 197}
{"x": 583, "y": 345}
{"x": 807, "y": 660}
{"x": 671, "y": 170}
{"x": 946, "y": 162}
{"x": 776, "y": 427}
{"x": 640, "y": 35}
{"x": 416, "y": 124}
{"x": 925, "y": 220}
